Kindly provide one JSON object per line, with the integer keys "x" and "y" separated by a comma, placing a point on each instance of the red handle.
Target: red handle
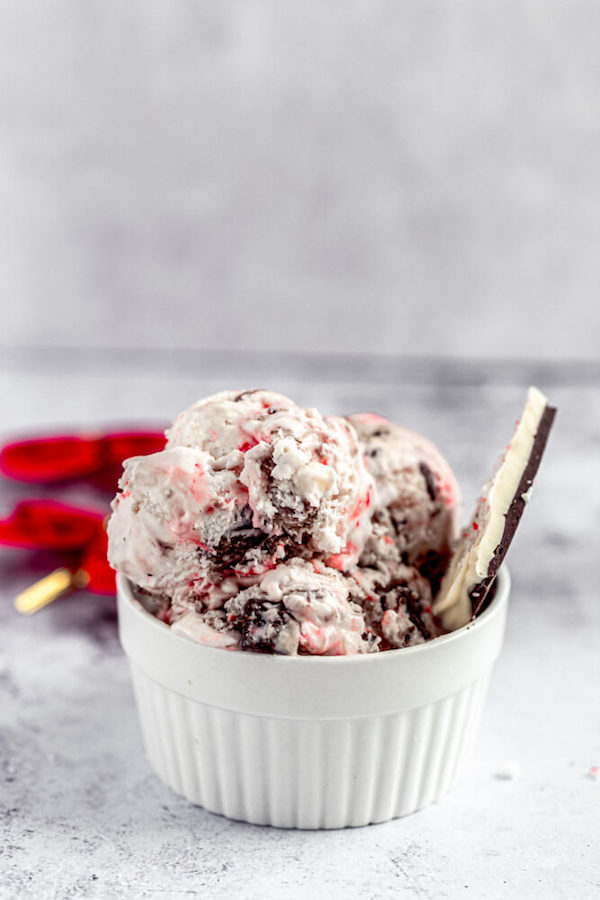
{"x": 64, "y": 457}
{"x": 49, "y": 459}
{"x": 95, "y": 563}
{"x": 48, "y": 525}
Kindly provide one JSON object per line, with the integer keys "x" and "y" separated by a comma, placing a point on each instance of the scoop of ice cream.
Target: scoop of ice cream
{"x": 417, "y": 498}
{"x": 303, "y": 473}
{"x": 167, "y": 518}
{"x": 298, "y": 607}
{"x": 246, "y": 480}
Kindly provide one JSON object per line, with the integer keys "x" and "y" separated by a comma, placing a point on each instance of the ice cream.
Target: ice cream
{"x": 417, "y": 498}
{"x": 247, "y": 480}
{"x": 301, "y": 475}
{"x": 296, "y": 607}
{"x": 264, "y": 526}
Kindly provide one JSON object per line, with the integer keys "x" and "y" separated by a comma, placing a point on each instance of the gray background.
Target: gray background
{"x": 401, "y": 178}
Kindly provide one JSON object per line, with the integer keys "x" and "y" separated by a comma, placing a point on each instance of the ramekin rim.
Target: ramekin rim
{"x": 124, "y": 588}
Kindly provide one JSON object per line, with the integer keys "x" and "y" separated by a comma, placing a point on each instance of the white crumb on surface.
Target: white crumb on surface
{"x": 510, "y": 771}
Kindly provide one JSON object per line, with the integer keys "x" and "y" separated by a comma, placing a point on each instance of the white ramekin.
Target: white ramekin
{"x": 309, "y": 742}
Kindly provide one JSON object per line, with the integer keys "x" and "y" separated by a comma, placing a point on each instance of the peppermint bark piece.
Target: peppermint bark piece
{"x": 483, "y": 545}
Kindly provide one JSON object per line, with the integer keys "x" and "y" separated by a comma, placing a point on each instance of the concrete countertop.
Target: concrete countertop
{"x": 82, "y": 814}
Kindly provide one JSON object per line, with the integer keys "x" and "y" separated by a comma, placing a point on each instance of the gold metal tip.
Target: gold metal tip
{"x": 48, "y": 589}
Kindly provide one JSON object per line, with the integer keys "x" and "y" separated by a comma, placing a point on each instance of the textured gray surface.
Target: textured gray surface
{"x": 417, "y": 177}
{"x": 83, "y": 816}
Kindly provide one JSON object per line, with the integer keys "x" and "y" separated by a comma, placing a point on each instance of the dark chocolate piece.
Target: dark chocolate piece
{"x": 414, "y": 610}
{"x": 260, "y": 621}
{"x": 429, "y": 480}
{"x": 243, "y": 394}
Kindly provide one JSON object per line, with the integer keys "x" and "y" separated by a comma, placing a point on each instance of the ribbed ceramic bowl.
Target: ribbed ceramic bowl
{"x": 309, "y": 742}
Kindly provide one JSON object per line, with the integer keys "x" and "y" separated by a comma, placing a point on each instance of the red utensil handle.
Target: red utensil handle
{"x": 55, "y": 458}
{"x": 48, "y": 525}
{"x": 95, "y": 564}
